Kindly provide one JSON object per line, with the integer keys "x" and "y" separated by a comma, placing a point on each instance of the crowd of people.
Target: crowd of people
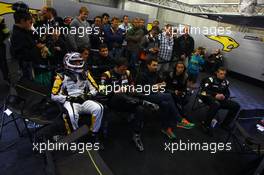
{"x": 119, "y": 52}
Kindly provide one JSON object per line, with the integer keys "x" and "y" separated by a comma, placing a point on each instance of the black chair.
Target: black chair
{"x": 247, "y": 136}
{"x": 198, "y": 102}
{"x": 31, "y": 103}
{"x": 5, "y": 111}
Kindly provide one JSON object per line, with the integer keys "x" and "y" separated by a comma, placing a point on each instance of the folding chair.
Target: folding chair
{"x": 198, "y": 102}
{"x": 26, "y": 105}
{"x": 249, "y": 138}
{"x": 5, "y": 111}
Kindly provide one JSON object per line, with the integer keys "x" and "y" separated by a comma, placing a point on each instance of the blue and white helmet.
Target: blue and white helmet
{"x": 70, "y": 60}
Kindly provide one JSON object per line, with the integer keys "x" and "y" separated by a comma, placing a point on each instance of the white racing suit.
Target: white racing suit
{"x": 65, "y": 86}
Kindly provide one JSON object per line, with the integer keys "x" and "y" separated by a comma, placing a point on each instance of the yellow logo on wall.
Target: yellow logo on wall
{"x": 228, "y": 43}
{"x": 6, "y": 8}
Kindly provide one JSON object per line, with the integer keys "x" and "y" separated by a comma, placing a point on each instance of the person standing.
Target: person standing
{"x": 166, "y": 48}
{"x": 184, "y": 45}
{"x": 80, "y": 40}
{"x": 23, "y": 44}
{"x": 125, "y": 26}
{"x": 114, "y": 38}
{"x": 97, "y": 37}
{"x": 134, "y": 38}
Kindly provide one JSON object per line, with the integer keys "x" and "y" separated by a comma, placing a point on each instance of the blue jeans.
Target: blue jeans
{"x": 167, "y": 107}
{"x": 132, "y": 61}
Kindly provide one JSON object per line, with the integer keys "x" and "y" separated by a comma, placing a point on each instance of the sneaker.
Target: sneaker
{"x": 138, "y": 142}
{"x": 185, "y": 124}
{"x": 150, "y": 105}
{"x": 169, "y": 133}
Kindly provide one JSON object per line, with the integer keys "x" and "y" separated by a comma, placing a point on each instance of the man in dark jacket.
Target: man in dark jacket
{"x": 134, "y": 38}
{"x": 150, "y": 43}
{"x": 215, "y": 60}
{"x": 114, "y": 38}
{"x": 24, "y": 46}
{"x": 165, "y": 101}
{"x": 97, "y": 36}
{"x": 184, "y": 45}
{"x": 215, "y": 93}
{"x": 52, "y": 19}
{"x": 99, "y": 63}
{"x": 122, "y": 99}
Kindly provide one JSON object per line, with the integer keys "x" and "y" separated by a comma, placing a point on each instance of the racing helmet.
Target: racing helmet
{"x": 74, "y": 62}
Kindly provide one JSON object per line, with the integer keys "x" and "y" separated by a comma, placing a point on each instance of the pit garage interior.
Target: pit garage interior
{"x": 243, "y": 54}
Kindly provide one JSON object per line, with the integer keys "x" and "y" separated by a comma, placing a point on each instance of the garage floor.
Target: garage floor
{"x": 16, "y": 157}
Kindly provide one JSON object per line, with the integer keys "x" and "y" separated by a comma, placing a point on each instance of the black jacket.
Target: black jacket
{"x": 149, "y": 42}
{"x": 183, "y": 45}
{"x": 212, "y": 86}
{"x": 56, "y": 22}
{"x": 148, "y": 78}
{"x": 98, "y": 65}
{"x": 112, "y": 78}
{"x": 23, "y": 45}
{"x": 56, "y": 57}
{"x": 96, "y": 39}
{"x": 176, "y": 82}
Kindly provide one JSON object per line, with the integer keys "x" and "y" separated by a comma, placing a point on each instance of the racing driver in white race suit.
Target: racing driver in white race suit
{"x": 74, "y": 89}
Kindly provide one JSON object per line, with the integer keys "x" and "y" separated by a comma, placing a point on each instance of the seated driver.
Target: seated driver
{"x": 74, "y": 88}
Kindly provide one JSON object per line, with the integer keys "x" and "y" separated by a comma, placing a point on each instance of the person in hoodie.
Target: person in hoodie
{"x": 80, "y": 23}
{"x": 194, "y": 65}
